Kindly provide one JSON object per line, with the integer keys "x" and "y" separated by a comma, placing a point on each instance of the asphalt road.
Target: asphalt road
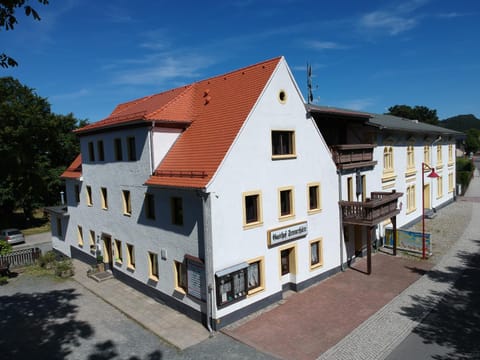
{"x": 48, "y": 318}
{"x": 43, "y": 241}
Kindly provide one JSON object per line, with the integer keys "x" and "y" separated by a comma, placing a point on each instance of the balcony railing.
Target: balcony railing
{"x": 353, "y": 156}
{"x": 381, "y": 206}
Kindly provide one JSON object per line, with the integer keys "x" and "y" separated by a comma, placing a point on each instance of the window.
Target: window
{"x": 118, "y": 251}
{"x": 80, "y": 235}
{"x": 130, "y": 256}
{"x": 127, "y": 204}
{"x": 176, "y": 204}
{"x": 411, "y": 199}
{"x": 388, "y": 159}
{"x": 283, "y": 144}
{"x": 180, "y": 276}
{"x": 91, "y": 151}
{"x": 439, "y": 156}
{"x": 252, "y": 209}
{"x": 91, "y": 240}
{"x": 285, "y": 259}
{"x": 439, "y": 186}
{"x": 426, "y": 154}
{"x": 450, "y": 154}
{"x": 101, "y": 153}
{"x": 153, "y": 266}
{"x": 150, "y": 206}
{"x": 255, "y": 276}
{"x": 77, "y": 194}
{"x": 59, "y": 228}
{"x": 410, "y": 158}
{"x": 104, "y": 195}
{"x": 314, "y": 204}
{"x": 131, "y": 150}
{"x": 117, "y": 144}
{"x": 450, "y": 183}
{"x": 286, "y": 202}
{"x": 316, "y": 256}
{"x": 89, "y": 195}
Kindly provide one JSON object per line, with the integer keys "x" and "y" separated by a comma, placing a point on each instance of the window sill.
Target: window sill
{"x": 252, "y": 225}
{"x": 180, "y": 290}
{"x": 255, "y": 291}
{"x": 314, "y": 211}
{"x": 286, "y": 217}
{"x": 316, "y": 266}
{"x": 153, "y": 278}
{"x": 410, "y": 172}
{"x": 130, "y": 268}
{"x": 388, "y": 176}
{"x": 127, "y": 214}
{"x": 284, "y": 157}
{"x": 408, "y": 212}
{"x": 439, "y": 166}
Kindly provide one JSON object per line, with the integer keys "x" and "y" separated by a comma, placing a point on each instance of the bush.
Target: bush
{"x": 47, "y": 260}
{"x": 5, "y": 247}
{"x": 3, "y": 280}
{"x": 64, "y": 268}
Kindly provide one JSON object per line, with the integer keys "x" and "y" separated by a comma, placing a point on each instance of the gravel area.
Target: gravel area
{"x": 445, "y": 228}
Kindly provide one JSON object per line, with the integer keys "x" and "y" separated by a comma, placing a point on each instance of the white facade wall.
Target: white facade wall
{"x": 145, "y": 234}
{"x": 163, "y": 139}
{"x": 249, "y": 167}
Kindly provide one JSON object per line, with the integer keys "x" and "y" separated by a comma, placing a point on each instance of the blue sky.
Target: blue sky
{"x": 87, "y": 56}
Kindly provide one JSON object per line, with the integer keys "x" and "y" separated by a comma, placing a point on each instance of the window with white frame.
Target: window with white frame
{"x": 410, "y": 158}
{"x": 388, "y": 159}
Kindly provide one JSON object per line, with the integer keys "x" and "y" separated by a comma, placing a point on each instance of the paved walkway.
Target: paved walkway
{"x": 387, "y": 328}
{"x": 170, "y": 325}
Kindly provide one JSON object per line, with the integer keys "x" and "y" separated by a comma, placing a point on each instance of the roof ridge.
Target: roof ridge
{"x": 186, "y": 89}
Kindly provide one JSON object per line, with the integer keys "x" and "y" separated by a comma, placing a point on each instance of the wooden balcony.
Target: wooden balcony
{"x": 353, "y": 156}
{"x": 381, "y": 206}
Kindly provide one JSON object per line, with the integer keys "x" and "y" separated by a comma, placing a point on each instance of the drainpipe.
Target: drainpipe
{"x": 207, "y": 241}
{"x": 151, "y": 149}
{"x": 340, "y": 220}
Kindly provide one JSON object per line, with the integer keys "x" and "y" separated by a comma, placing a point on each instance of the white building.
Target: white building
{"x": 218, "y": 196}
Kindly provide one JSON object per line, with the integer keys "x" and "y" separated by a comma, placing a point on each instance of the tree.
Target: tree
{"x": 420, "y": 113}
{"x": 472, "y": 142}
{"x": 35, "y": 147}
{"x": 8, "y": 20}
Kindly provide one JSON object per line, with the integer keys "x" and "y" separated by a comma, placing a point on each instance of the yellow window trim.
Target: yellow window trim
{"x": 150, "y": 266}
{"x": 320, "y": 245}
{"x": 259, "y": 210}
{"x": 319, "y": 198}
{"x": 175, "y": 274}
{"x": 292, "y": 203}
{"x": 261, "y": 260}
{"x": 293, "y": 155}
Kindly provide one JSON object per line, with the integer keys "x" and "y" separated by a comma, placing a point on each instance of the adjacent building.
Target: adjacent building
{"x": 218, "y": 196}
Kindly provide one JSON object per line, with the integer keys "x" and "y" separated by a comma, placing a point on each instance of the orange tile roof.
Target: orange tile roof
{"x": 221, "y": 106}
{"x": 216, "y": 109}
{"x": 74, "y": 171}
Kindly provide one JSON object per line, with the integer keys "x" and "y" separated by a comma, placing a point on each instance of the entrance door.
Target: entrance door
{"x": 107, "y": 251}
{"x": 285, "y": 261}
{"x": 426, "y": 197}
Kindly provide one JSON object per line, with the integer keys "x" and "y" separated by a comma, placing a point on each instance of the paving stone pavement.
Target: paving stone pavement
{"x": 386, "y": 329}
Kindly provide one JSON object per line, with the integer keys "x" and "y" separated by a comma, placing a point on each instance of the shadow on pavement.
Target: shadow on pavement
{"x": 454, "y": 322}
{"x": 44, "y": 326}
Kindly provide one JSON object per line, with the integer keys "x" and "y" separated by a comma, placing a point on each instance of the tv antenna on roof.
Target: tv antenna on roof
{"x": 309, "y": 84}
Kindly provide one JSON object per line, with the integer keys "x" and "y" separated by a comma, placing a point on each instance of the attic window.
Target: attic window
{"x": 282, "y": 96}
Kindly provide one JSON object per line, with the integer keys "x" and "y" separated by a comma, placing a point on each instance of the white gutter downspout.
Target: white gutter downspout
{"x": 340, "y": 220}
{"x": 152, "y": 170}
{"x": 207, "y": 241}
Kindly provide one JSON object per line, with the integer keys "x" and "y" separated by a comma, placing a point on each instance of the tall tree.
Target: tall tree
{"x": 8, "y": 20}
{"x": 420, "y": 113}
{"x": 472, "y": 142}
{"x": 35, "y": 146}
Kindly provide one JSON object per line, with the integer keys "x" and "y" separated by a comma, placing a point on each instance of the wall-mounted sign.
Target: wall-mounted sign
{"x": 287, "y": 233}
{"x": 196, "y": 278}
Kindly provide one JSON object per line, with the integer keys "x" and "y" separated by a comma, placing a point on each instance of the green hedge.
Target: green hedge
{"x": 465, "y": 168}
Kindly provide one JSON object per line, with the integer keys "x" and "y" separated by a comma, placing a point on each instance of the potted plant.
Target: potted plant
{"x": 100, "y": 263}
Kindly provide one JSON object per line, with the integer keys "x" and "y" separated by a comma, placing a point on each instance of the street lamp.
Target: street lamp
{"x": 432, "y": 175}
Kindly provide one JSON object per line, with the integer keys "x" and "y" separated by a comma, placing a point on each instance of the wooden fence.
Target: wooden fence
{"x": 23, "y": 257}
